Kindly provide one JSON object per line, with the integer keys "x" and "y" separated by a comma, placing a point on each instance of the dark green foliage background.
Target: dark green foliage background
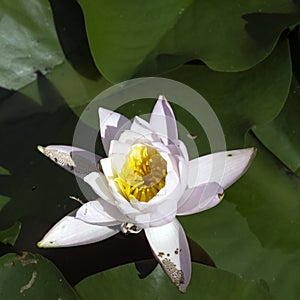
{"x": 242, "y": 56}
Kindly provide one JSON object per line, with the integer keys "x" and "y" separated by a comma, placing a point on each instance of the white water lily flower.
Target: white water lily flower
{"x": 147, "y": 180}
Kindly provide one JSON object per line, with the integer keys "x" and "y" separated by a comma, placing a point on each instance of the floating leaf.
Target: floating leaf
{"x": 240, "y": 100}
{"x": 282, "y": 135}
{"x": 28, "y": 42}
{"x": 131, "y": 39}
{"x": 9, "y": 236}
{"x": 32, "y": 277}
{"x": 255, "y": 231}
{"x": 207, "y": 283}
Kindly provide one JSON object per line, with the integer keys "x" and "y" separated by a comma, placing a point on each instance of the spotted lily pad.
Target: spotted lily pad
{"x": 32, "y": 277}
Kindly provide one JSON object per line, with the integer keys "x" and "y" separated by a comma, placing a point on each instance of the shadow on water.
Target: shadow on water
{"x": 70, "y": 28}
{"x": 34, "y": 185}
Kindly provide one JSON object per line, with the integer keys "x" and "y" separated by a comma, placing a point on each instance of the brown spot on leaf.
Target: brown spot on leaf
{"x": 9, "y": 264}
{"x": 30, "y": 283}
{"x": 25, "y": 259}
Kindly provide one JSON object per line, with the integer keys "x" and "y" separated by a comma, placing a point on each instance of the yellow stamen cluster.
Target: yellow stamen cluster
{"x": 143, "y": 173}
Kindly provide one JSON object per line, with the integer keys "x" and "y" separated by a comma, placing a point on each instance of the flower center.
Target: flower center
{"x": 143, "y": 173}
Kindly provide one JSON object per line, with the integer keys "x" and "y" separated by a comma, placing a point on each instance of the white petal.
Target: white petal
{"x": 162, "y": 208}
{"x": 101, "y": 213}
{"x": 125, "y": 207}
{"x": 169, "y": 191}
{"x": 222, "y": 167}
{"x": 157, "y": 215}
{"x": 112, "y": 125}
{"x": 161, "y": 147}
{"x": 183, "y": 168}
{"x": 117, "y": 147}
{"x": 118, "y": 153}
{"x": 98, "y": 183}
{"x": 200, "y": 198}
{"x": 120, "y": 202}
{"x": 70, "y": 232}
{"x": 165, "y": 214}
{"x": 142, "y": 127}
{"x": 131, "y": 137}
{"x": 75, "y": 160}
{"x": 170, "y": 247}
{"x": 180, "y": 144}
{"x": 140, "y": 219}
{"x": 163, "y": 121}
{"x": 107, "y": 168}
{"x": 110, "y": 174}
{"x": 117, "y": 162}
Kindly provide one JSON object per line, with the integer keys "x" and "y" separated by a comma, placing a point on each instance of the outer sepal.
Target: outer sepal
{"x": 170, "y": 248}
{"x": 75, "y": 160}
{"x": 70, "y": 231}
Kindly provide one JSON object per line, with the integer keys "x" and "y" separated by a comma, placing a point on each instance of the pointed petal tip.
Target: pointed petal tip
{"x": 163, "y": 121}
{"x": 104, "y": 114}
{"x": 182, "y": 288}
{"x": 248, "y": 153}
{"x": 171, "y": 249}
{"x": 251, "y": 149}
{"x": 41, "y": 148}
{"x": 46, "y": 244}
{"x": 162, "y": 98}
{"x": 102, "y": 110}
{"x": 252, "y": 153}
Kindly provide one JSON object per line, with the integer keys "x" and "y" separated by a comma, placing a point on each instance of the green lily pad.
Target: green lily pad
{"x": 41, "y": 113}
{"x": 240, "y": 100}
{"x": 256, "y": 241}
{"x": 10, "y": 235}
{"x": 45, "y": 111}
{"x": 282, "y": 135}
{"x": 207, "y": 283}
{"x": 130, "y": 39}
{"x": 32, "y": 277}
{"x": 255, "y": 230}
{"x": 28, "y": 42}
